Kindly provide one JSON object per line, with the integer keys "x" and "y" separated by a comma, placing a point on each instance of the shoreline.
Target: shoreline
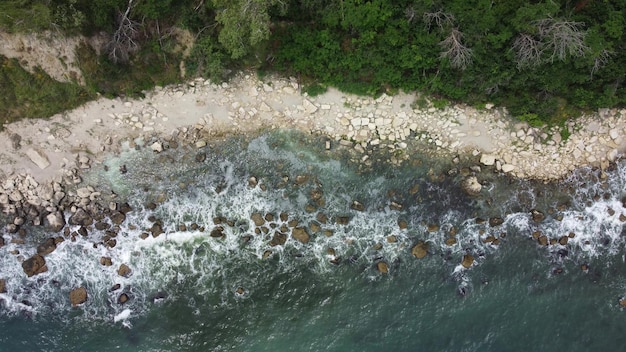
{"x": 58, "y": 148}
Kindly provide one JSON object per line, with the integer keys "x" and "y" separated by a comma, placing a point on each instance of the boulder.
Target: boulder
{"x": 420, "y": 250}
{"x": 382, "y": 267}
{"x": 106, "y": 261}
{"x": 3, "y": 285}
{"x": 124, "y": 270}
{"x": 47, "y": 247}
{"x": 495, "y": 221}
{"x": 258, "y": 219}
{"x": 156, "y": 229}
{"x": 55, "y": 221}
{"x": 117, "y": 217}
{"x": 39, "y": 158}
{"x": 300, "y": 234}
{"x": 471, "y": 186}
{"x": 487, "y": 159}
{"x": 278, "y": 239}
{"x": 80, "y": 217}
{"x": 537, "y": 215}
{"x": 123, "y": 298}
{"x": 78, "y": 296}
{"x": 34, "y": 265}
{"x": 358, "y": 206}
{"x": 468, "y": 260}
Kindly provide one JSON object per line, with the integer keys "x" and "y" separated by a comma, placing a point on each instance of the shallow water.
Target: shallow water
{"x": 191, "y": 291}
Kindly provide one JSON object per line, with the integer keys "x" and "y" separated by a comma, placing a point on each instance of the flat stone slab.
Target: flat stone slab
{"x": 39, "y": 158}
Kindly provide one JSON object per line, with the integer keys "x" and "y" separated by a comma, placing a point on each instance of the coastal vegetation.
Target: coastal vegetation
{"x": 546, "y": 61}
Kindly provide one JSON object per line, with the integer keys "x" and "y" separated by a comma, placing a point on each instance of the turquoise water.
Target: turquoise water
{"x": 191, "y": 291}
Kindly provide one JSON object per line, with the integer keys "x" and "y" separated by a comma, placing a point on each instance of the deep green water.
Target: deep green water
{"x": 517, "y": 296}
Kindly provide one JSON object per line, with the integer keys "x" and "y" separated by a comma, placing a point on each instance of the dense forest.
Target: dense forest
{"x": 544, "y": 60}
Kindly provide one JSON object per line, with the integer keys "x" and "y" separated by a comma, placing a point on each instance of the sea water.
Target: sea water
{"x": 242, "y": 291}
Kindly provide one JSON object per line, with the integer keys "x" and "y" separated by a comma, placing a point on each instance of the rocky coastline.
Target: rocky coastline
{"x": 43, "y": 160}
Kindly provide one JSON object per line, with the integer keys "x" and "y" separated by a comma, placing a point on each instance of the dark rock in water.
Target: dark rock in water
{"x": 81, "y": 217}
{"x": 622, "y": 302}
{"x": 378, "y": 246}
{"x": 420, "y": 250}
{"x": 278, "y": 239}
{"x": 537, "y": 216}
{"x": 101, "y": 225}
{"x": 495, "y": 221}
{"x": 124, "y": 270}
{"x": 106, "y": 261}
{"x": 402, "y": 224}
{"x": 315, "y": 226}
{"x": 342, "y": 220}
{"x": 47, "y": 247}
{"x": 240, "y": 291}
{"x": 151, "y": 205}
{"x": 358, "y": 206}
{"x": 382, "y": 267}
{"x": 468, "y": 260}
{"x": 217, "y": 232}
{"x": 115, "y": 287}
{"x": 310, "y": 208}
{"x": 156, "y": 229}
{"x": 55, "y": 221}
{"x": 392, "y": 239}
{"x": 258, "y": 219}
{"x": 200, "y": 157}
{"x": 117, "y": 217}
{"x": 432, "y": 228}
{"x": 123, "y": 298}
{"x": 283, "y": 216}
{"x": 34, "y": 265}
{"x": 83, "y": 231}
{"x": 111, "y": 243}
{"x": 269, "y": 217}
{"x": 563, "y": 240}
{"x": 159, "y": 296}
{"x": 322, "y": 218}
{"x": 300, "y": 234}
{"x": 252, "y": 181}
{"x": 3, "y": 285}
{"x": 301, "y": 179}
{"x": 267, "y": 254}
{"x": 1, "y": 241}
{"x": 450, "y": 241}
{"x": 543, "y": 240}
{"x": 124, "y": 208}
{"x": 78, "y": 296}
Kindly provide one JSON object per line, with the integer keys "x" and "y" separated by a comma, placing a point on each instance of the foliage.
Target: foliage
{"x": 34, "y": 94}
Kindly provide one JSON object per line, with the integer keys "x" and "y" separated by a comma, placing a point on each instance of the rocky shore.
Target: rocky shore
{"x": 42, "y": 160}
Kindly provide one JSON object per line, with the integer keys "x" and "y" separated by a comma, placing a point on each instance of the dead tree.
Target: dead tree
{"x": 600, "y": 61}
{"x": 528, "y": 51}
{"x": 459, "y": 55}
{"x": 439, "y": 18}
{"x": 124, "y": 43}
{"x": 561, "y": 38}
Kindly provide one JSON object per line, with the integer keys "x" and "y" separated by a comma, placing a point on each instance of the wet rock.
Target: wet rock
{"x": 402, "y": 224}
{"x": 450, "y": 241}
{"x": 47, "y": 247}
{"x": 432, "y": 228}
{"x": 115, "y": 287}
{"x": 543, "y": 240}
{"x": 267, "y": 254}
{"x": 420, "y": 250}
{"x": 284, "y": 217}
{"x": 101, "y": 225}
{"x": 278, "y": 239}
{"x": 392, "y": 239}
{"x": 156, "y": 229}
{"x": 468, "y": 260}
{"x": 217, "y": 232}
{"x": 240, "y": 291}
{"x": 123, "y": 298}
{"x": 1, "y": 241}
{"x": 382, "y": 267}
{"x": 301, "y": 179}
{"x": 80, "y": 217}
{"x": 300, "y": 234}
{"x": 537, "y": 215}
{"x": 78, "y": 296}
{"x": 342, "y": 220}
{"x": 357, "y": 206}
{"x": 3, "y": 285}
{"x": 258, "y": 219}
{"x": 200, "y": 157}
{"x": 322, "y": 218}
{"x": 106, "y": 261}
{"x": 315, "y": 226}
{"x": 395, "y": 206}
{"x": 34, "y": 265}
{"x": 83, "y": 231}
{"x": 124, "y": 270}
{"x": 495, "y": 221}
{"x": 471, "y": 186}
{"x": 55, "y": 221}
{"x": 117, "y": 217}
{"x": 378, "y": 246}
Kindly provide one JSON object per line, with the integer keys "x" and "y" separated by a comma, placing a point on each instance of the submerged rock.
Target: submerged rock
{"x": 382, "y": 267}
{"x": 3, "y": 285}
{"x": 300, "y": 234}
{"x": 47, "y": 247}
{"x": 420, "y": 250}
{"x": 124, "y": 270}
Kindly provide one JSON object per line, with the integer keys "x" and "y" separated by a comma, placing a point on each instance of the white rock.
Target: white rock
{"x": 308, "y": 106}
{"x": 83, "y": 192}
{"x": 157, "y": 147}
{"x": 487, "y": 159}
{"x": 264, "y": 107}
{"x": 325, "y": 107}
{"x": 200, "y": 144}
{"x": 267, "y": 88}
{"x": 39, "y": 158}
{"x": 508, "y": 168}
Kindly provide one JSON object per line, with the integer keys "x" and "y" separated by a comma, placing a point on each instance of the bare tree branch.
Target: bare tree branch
{"x": 123, "y": 42}
{"x": 600, "y": 60}
{"x": 528, "y": 51}
{"x": 562, "y": 38}
{"x": 459, "y": 55}
{"x": 439, "y": 18}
